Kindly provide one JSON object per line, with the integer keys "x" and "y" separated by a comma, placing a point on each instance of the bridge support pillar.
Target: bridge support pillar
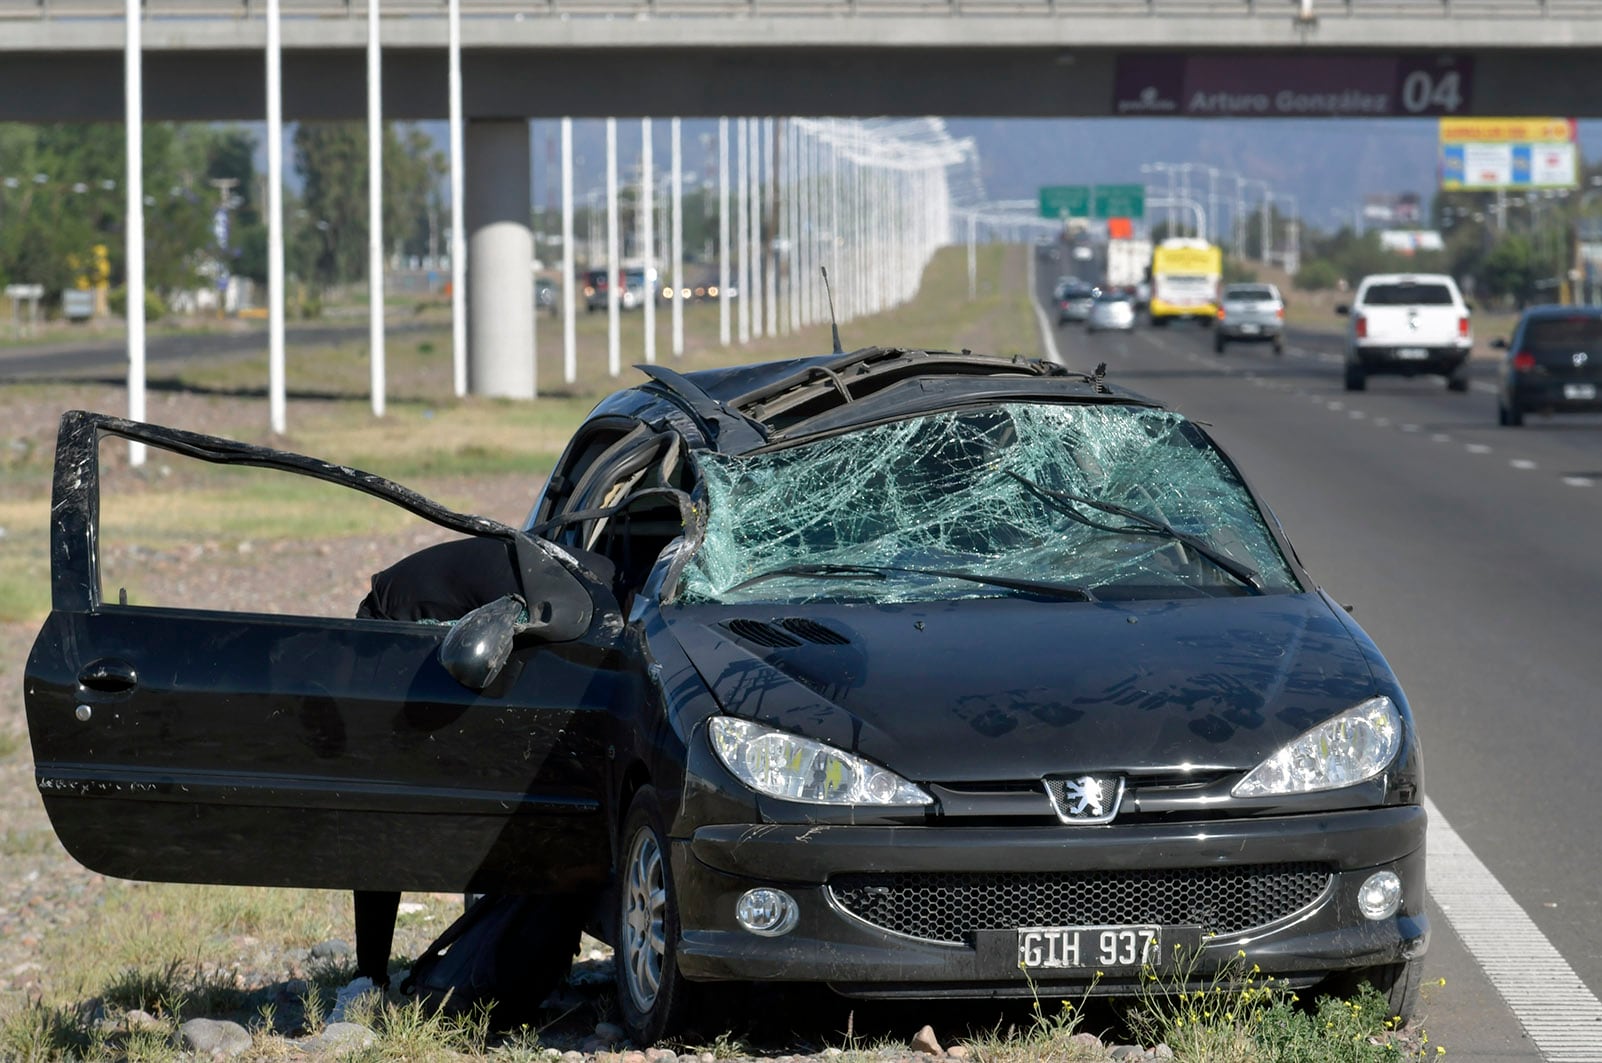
{"x": 500, "y": 258}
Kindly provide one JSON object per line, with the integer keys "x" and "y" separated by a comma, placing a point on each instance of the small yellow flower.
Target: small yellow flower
{"x": 1241, "y": 953}
{"x": 1440, "y": 1050}
{"x": 1441, "y": 981}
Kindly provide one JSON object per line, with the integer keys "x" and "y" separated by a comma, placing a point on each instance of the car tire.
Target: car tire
{"x": 1509, "y": 416}
{"x": 1356, "y": 379}
{"x": 1398, "y": 983}
{"x": 654, "y": 1001}
{"x": 1457, "y": 379}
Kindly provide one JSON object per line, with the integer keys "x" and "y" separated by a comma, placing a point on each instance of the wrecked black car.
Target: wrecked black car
{"x": 917, "y": 674}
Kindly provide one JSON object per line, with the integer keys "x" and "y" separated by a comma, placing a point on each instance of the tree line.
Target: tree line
{"x": 62, "y": 195}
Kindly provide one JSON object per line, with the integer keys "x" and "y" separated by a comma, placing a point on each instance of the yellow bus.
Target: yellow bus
{"x": 1184, "y": 280}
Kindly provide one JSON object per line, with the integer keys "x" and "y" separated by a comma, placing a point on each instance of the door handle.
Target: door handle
{"x": 109, "y": 675}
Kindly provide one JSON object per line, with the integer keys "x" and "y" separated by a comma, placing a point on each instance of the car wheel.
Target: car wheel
{"x": 1509, "y": 416}
{"x": 1398, "y": 983}
{"x": 1457, "y": 379}
{"x": 654, "y": 1001}
{"x": 1356, "y": 380}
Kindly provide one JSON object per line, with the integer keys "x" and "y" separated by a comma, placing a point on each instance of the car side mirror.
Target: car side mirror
{"x": 1499, "y": 343}
{"x": 1343, "y": 309}
{"x": 479, "y": 644}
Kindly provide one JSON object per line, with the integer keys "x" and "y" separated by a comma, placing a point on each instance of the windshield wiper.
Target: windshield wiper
{"x": 1060, "y": 501}
{"x": 1064, "y": 591}
{"x": 813, "y": 570}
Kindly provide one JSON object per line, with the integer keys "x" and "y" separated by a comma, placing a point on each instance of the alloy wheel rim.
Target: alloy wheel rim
{"x": 644, "y": 907}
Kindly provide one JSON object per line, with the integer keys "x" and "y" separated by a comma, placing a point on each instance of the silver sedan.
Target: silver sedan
{"x": 1111, "y": 310}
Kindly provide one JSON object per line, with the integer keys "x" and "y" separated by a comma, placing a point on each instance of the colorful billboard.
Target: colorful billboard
{"x": 1481, "y": 154}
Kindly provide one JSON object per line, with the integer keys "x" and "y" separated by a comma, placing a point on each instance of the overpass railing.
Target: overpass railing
{"x": 671, "y": 9}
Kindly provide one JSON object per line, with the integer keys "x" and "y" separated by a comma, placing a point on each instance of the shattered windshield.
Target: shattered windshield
{"x": 889, "y": 514}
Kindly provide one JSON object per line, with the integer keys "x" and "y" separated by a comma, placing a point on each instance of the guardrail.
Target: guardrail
{"x": 675, "y": 9}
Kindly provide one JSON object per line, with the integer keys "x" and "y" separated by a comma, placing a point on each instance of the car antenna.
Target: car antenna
{"x": 834, "y": 326}
{"x": 1099, "y": 375}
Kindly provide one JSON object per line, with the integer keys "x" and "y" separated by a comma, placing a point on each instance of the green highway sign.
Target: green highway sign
{"x": 1120, "y": 201}
{"x": 1093, "y": 201}
{"x": 1065, "y": 201}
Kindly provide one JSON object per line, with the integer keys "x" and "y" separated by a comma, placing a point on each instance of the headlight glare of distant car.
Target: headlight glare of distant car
{"x": 1343, "y": 751}
{"x": 780, "y": 764}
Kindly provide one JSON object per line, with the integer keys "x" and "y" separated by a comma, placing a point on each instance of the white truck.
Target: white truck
{"x": 1127, "y": 262}
{"x": 1407, "y": 324}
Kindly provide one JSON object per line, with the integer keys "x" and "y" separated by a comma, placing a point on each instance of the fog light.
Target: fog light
{"x": 767, "y": 913}
{"x": 1379, "y": 896}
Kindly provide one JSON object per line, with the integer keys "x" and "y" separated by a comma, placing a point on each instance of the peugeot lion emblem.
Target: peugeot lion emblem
{"x": 1085, "y": 798}
{"x": 1580, "y": 358}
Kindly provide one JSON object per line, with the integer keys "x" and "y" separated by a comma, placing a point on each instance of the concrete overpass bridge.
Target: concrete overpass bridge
{"x": 63, "y": 60}
{"x": 60, "y": 59}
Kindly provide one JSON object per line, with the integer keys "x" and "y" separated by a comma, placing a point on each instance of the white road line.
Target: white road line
{"x": 1382, "y": 422}
{"x": 1337, "y": 406}
{"x": 1522, "y": 463}
{"x": 1047, "y": 339}
{"x": 1554, "y": 1006}
{"x": 1477, "y": 448}
{"x": 1409, "y": 427}
{"x": 1440, "y": 437}
{"x": 1356, "y": 415}
{"x": 1578, "y": 481}
{"x": 1483, "y": 388}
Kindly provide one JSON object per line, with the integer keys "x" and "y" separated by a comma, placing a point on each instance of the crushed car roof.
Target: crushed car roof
{"x": 771, "y": 403}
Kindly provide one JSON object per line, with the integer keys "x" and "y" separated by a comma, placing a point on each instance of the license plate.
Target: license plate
{"x": 1090, "y": 947}
{"x": 1413, "y": 354}
{"x": 1579, "y": 391}
{"x": 1249, "y": 329}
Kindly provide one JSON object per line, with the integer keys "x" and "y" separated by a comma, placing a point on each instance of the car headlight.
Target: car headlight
{"x": 781, "y": 764}
{"x": 1343, "y": 751}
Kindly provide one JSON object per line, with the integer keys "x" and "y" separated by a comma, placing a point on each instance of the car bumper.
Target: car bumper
{"x": 1558, "y": 396}
{"x": 1404, "y": 361}
{"x": 858, "y": 956}
{"x": 1247, "y": 331}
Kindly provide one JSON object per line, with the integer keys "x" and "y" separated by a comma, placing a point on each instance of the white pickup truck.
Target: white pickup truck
{"x": 1407, "y": 324}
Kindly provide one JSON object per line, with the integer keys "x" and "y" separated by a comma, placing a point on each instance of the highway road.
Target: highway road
{"x": 1473, "y": 555}
{"x": 71, "y": 358}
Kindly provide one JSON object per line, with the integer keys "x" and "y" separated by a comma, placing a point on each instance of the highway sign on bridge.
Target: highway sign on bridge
{"x": 1120, "y": 201}
{"x": 1065, "y": 201}
{"x": 1093, "y": 201}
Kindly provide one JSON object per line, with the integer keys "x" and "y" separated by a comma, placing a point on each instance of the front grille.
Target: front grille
{"x": 947, "y": 906}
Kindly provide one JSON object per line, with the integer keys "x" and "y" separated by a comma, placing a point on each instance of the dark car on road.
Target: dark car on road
{"x": 916, "y": 674}
{"x": 1553, "y": 364}
{"x": 595, "y": 290}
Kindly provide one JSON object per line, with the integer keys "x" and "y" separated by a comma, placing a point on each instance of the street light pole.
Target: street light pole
{"x": 134, "y": 248}
{"x": 569, "y": 266}
{"x": 375, "y": 211}
{"x": 677, "y": 185}
{"x": 647, "y": 217}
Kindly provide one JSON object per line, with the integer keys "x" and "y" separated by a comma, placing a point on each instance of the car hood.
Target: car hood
{"x": 1007, "y": 689}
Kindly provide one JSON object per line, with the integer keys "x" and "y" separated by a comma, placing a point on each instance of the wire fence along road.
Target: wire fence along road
{"x": 672, "y": 9}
